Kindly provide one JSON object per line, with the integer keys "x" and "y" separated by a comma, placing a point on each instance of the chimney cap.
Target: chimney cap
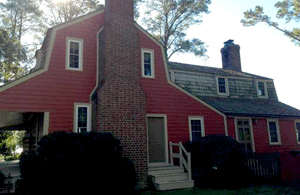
{"x": 229, "y": 42}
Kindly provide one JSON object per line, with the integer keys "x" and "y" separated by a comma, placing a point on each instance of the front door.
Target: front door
{"x": 157, "y": 146}
{"x": 244, "y": 133}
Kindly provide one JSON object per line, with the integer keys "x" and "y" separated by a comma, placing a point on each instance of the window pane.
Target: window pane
{"x": 273, "y": 131}
{"x": 147, "y": 64}
{"x": 196, "y": 129}
{"x": 222, "y": 85}
{"x": 74, "y": 55}
{"x": 147, "y": 58}
{"x": 74, "y": 48}
{"x": 82, "y": 119}
{"x": 147, "y": 69}
{"x": 261, "y": 89}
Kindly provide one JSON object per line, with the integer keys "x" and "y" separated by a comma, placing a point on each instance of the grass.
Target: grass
{"x": 259, "y": 190}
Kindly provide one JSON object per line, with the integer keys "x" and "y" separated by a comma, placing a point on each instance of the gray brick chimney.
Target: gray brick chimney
{"x": 231, "y": 59}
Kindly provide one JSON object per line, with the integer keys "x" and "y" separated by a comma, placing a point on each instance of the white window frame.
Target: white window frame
{"x": 226, "y": 86}
{"x": 80, "y": 65}
{"x": 297, "y": 121}
{"x": 152, "y": 63}
{"x": 277, "y": 129}
{"x": 89, "y": 115}
{"x": 201, "y": 118}
{"x": 265, "y": 87}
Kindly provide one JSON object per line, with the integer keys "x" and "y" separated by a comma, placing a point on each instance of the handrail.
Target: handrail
{"x": 182, "y": 161}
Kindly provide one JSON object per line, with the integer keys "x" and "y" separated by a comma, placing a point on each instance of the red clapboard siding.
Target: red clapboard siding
{"x": 57, "y": 90}
{"x": 163, "y": 98}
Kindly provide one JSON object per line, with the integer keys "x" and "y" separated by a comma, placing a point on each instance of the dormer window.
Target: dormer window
{"x": 147, "y": 63}
{"x": 222, "y": 85}
{"x": 74, "y": 55}
{"x": 261, "y": 87}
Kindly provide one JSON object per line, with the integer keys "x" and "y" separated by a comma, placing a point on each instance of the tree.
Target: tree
{"x": 10, "y": 140}
{"x": 20, "y": 17}
{"x": 60, "y": 12}
{"x": 168, "y": 20}
{"x": 11, "y": 54}
{"x": 286, "y": 9}
{"x": 17, "y": 18}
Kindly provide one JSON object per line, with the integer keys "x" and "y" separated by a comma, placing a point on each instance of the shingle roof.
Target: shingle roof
{"x": 252, "y": 107}
{"x": 235, "y": 106}
{"x": 212, "y": 70}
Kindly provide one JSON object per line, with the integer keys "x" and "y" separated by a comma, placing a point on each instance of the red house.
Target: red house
{"x": 103, "y": 72}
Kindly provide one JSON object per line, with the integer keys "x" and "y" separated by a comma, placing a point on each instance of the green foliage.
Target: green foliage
{"x": 168, "y": 20}
{"x": 286, "y": 9}
{"x": 9, "y": 142}
{"x": 73, "y": 163}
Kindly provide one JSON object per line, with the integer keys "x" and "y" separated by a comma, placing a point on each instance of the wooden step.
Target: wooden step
{"x": 174, "y": 185}
{"x": 165, "y": 170}
{"x": 169, "y": 178}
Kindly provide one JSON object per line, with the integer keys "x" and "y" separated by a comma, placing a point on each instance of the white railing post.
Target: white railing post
{"x": 180, "y": 154}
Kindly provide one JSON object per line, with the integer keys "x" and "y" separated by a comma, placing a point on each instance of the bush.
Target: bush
{"x": 218, "y": 162}
{"x": 71, "y": 163}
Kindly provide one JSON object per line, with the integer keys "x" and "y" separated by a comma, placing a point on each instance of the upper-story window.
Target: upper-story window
{"x": 261, "y": 87}
{"x": 274, "y": 132}
{"x": 147, "y": 63}
{"x": 74, "y": 57}
{"x": 82, "y": 118}
{"x": 222, "y": 85}
{"x": 196, "y": 127}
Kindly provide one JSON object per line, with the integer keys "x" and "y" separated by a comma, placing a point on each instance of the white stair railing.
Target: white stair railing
{"x": 186, "y": 163}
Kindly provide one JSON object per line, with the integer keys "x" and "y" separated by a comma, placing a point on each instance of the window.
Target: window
{"x": 74, "y": 52}
{"x": 222, "y": 85}
{"x": 82, "y": 118}
{"x": 147, "y": 63}
{"x": 261, "y": 87}
{"x": 196, "y": 127}
{"x": 274, "y": 133}
{"x": 297, "y": 129}
{"x": 244, "y": 133}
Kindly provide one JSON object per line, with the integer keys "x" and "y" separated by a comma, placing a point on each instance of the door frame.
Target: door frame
{"x": 164, "y": 116}
{"x": 251, "y": 129}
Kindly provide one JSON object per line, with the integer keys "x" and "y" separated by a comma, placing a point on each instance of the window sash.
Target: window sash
{"x": 196, "y": 126}
{"x": 222, "y": 85}
{"x": 82, "y": 118}
{"x": 147, "y": 63}
{"x": 274, "y": 132}
{"x": 261, "y": 89}
{"x": 74, "y": 54}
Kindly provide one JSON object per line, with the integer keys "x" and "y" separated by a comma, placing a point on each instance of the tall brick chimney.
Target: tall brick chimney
{"x": 231, "y": 59}
{"x": 121, "y": 102}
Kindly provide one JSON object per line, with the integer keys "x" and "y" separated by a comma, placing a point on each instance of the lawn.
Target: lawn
{"x": 261, "y": 190}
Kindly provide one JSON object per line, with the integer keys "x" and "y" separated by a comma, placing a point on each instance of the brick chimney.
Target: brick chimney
{"x": 231, "y": 59}
{"x": 121, "y": 102}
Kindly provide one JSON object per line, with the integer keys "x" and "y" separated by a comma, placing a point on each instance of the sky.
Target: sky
{"x": 264, "y": 51}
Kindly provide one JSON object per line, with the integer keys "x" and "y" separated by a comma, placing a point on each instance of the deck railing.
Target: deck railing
{"x": 183, "y": 156}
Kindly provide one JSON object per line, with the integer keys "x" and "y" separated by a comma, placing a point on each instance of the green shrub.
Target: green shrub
{"x": 218, "y": 162}
{"x": 71, "y": 163}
